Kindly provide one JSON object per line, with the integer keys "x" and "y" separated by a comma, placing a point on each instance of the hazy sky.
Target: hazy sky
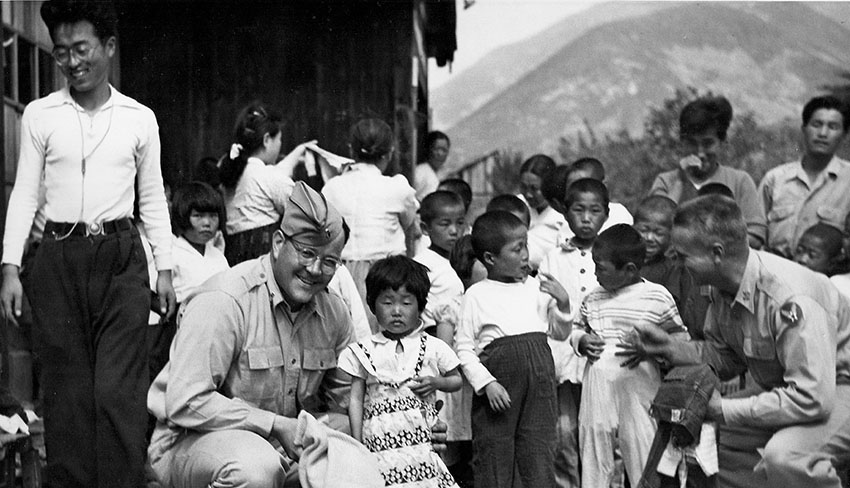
{"x": 492, "y": 23}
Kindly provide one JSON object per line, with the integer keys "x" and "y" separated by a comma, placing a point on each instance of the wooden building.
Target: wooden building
{"x": 28, "y": 73}
{"x": 322, "y": 64}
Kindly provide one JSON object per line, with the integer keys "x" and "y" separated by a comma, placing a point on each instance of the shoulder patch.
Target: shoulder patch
{"x": 791, "y": 313}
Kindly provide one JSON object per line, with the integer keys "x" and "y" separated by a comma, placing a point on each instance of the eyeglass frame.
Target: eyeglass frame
{"x": 307, "y": 256}
{"x": 82, "y": 50}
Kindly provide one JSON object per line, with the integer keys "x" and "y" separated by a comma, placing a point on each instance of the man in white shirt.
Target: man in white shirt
{"x": 88, "y": 283}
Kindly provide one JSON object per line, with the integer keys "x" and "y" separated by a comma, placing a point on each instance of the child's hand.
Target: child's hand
{"x": 498, "y": 396}
{"x": 591, "y": 346}
{"x": 548, "y": 284}
{"x": 424, "y": 385}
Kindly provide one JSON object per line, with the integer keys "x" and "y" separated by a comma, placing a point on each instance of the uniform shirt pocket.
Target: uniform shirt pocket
{"x": 778, "y": 214}
{"x": 265, "y": 358}
{"x": 315, "y": 364}
{"x": 264, "y": 378}
{"x": 315, "y": 359}
{"x": 830, "y": 215}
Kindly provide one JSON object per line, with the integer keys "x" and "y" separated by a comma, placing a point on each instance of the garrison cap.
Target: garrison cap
{"x": 309, "y": 219}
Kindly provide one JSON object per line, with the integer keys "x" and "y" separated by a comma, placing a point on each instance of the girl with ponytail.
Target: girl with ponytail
{"x": 255, "y": 185}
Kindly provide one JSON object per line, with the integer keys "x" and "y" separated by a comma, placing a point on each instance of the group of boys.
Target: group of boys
{"x": 604, "y": 269}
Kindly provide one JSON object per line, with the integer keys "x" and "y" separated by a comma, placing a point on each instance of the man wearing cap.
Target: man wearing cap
{"x": 256, "y": 345}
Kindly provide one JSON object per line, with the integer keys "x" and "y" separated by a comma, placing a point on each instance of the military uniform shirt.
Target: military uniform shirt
{"x": 789, "y": 327}
{"x": 793, "y": 204}
{"x": 241, "y": 356}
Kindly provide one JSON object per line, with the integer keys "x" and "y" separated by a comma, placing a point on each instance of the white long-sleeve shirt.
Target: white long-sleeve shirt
{"x": 492, "y": 309}
{"x": 120, "y": 143}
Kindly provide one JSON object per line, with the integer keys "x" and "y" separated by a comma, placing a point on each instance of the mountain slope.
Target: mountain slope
{"x": 765, "y": 57}
{"x": 497, "y": 70}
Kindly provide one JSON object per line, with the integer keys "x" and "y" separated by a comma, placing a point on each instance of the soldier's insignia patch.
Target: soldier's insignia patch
{"x": 791, "y": 313}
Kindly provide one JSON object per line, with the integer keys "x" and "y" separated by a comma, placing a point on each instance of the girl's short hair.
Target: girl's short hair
{"x": 394, "y": 272}
{"x": 371, "y": 139}
{"x": 252, "y": 125}
{"x": 707, "y": 113}
{"x": 539, "y": 164}
{"x": 197, "y": 196}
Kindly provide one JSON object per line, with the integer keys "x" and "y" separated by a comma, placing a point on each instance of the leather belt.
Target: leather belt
{"x": 82, "y": 229}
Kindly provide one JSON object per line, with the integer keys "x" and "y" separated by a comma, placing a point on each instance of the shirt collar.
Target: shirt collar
{"x": 267, "y": 273}
{"x": 115, "y": 98}
{"x": 182, "y": 243}
{"x": 832, "y": 169}
{"x": 408, "y": 341}
{"x": 254, "y": 161}
{"x": 747, "y": 288}
{"x": 364, "y": 167}
{"x": 570, "y": 245}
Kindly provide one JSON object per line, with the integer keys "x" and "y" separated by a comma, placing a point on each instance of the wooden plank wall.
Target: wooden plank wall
{"x": 321, "y": 64}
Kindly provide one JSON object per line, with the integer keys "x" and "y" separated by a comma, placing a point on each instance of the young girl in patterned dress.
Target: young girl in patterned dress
{"x": 396, "y": 373}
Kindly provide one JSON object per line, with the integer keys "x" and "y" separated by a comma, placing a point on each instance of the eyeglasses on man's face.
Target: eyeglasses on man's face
{"x": 308, "y": 256}
{"x": 81, "y": 50}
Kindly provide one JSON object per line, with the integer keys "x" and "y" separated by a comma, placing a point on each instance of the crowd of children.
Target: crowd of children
{"x": 528, "y": 303}
{"x": 504, "y": 328}
{"x": 536, "y": 294}
{"x": 532, "y": 335}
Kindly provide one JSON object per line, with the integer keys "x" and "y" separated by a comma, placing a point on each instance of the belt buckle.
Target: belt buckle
{"x": 94, "y": 229}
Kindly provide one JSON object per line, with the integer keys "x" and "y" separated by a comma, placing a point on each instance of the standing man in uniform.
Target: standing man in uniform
{"x": 256, "y": 345}
{"x": 800, "y": 194}
{"x": 786, "y": 325}
{"x": 88, "y": 284}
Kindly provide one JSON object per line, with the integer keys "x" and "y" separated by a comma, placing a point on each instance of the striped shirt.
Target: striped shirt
{"x": 613, "y": 314}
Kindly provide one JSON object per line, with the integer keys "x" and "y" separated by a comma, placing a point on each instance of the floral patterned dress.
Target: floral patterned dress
{"x": 396, "y": 422}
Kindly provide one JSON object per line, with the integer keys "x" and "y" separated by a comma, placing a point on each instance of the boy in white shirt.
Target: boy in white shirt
{"x": 585, "y": 206}
{"x": 616, "y": 395}
{"x": 442, "y": 219}
{"x": 502, "y": 346}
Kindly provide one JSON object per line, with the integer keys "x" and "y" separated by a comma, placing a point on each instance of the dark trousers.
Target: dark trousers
{"x": 522, "y": 439}
{"x": 90, "y": 300}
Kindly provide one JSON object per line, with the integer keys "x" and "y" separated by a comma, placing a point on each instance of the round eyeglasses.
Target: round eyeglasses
{"x": 80, "y": 50}
{"x": 308, "y": 256}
